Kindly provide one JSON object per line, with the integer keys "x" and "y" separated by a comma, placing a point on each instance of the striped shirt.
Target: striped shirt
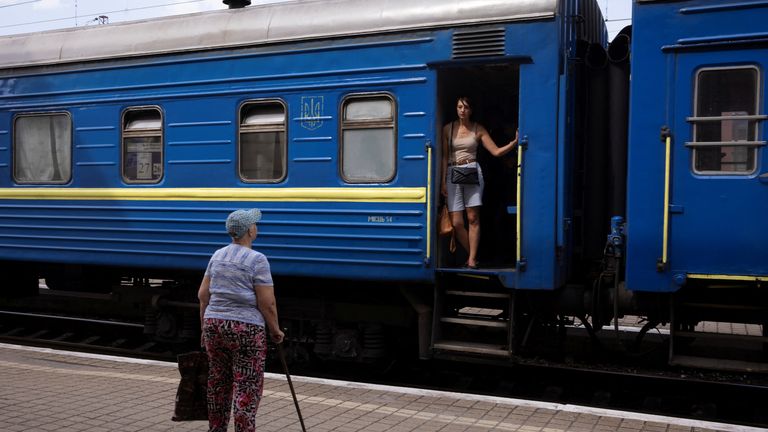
{"x": 234, "y": 271}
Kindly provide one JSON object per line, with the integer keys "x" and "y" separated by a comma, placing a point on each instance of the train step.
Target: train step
{"x": 478, "y": 294}
{"x": 473, "y": 348}
{"x": 718, "y": 351}
{"x": 698, "y": 341}
{"x": 506, "y": 276}
{"x": 721, "y": 336}
{"x": 472, "y": 321}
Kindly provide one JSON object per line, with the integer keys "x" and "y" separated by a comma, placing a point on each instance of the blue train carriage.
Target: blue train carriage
{"x": 697, "y": 182}
{"x": 123, "y": 148}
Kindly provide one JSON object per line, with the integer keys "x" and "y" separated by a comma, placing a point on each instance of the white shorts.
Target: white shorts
{"x": 461, "y": 196}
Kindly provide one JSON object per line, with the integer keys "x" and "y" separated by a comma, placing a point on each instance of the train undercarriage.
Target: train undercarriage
{"x": 465, "y": 316}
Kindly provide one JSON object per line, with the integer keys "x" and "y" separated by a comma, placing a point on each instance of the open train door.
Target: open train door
{"x": 473, "y": 312}
{"x": 717, "y": 198}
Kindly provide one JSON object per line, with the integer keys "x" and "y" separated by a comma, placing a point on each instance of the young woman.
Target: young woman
{"x": 461, "y": 138}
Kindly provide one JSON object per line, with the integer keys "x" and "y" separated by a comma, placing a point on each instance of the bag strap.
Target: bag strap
{"x": 450, "y": 144}
{"x": 450, "y": 141}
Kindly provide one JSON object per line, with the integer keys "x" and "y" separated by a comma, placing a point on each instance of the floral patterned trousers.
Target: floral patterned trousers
{"x": 236, "y": 355}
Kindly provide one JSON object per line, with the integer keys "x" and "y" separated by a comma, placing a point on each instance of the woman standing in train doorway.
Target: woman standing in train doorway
{"x": 237, "y": 300}
{"x": 462, "y": 183}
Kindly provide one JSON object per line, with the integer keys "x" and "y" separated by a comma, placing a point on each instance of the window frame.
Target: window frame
{"x": 367, "y": 124}
{"x": 757, "y": 118}
{"x": 71, "y": 147}
{"x": 264, "y": 101}
{"x": 125, "y": 112}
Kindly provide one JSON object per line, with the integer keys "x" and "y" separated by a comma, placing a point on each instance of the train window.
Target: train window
{"x": 142, "y": 145}
{"x": 368, "y": 139}
{"x": 725, "y": 121}
{"x": 262, "y": 149}
{"x": 42, "y": 148}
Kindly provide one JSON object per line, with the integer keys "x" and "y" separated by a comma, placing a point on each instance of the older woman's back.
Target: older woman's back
{"x": 234, "y": 271}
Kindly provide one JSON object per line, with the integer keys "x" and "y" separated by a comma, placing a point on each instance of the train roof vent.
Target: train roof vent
{"x": 479, "y": 43}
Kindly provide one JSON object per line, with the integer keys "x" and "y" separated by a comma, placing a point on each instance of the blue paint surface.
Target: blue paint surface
{"x": 716, "y": 221}
{"x": 199, "y": 95}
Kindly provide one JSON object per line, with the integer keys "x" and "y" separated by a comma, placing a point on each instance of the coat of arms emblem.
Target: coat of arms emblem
{"x": 311, "y": 112}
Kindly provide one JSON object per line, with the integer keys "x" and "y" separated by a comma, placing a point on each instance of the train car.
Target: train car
{"x": 697, "y": 177}
{"x": 123, "y": 147}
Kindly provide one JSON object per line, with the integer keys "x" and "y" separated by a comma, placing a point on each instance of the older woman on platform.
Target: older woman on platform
{"x": 237, "y": 300}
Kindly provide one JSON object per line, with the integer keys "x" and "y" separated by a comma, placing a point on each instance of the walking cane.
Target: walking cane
{"x": 290, "y": 384}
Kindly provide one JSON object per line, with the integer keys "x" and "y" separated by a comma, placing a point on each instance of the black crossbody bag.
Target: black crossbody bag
{"x": 462, "y": 175}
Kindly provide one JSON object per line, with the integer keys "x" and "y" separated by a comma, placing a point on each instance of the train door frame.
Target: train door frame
{"x": 456, "y": 79}
{"x": 739, "y": 196}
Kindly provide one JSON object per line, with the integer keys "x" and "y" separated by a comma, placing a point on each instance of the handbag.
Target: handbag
{"x": 446, "y": 227}
{"x": 191, "y": 397}
{"x": 464, "y": 175}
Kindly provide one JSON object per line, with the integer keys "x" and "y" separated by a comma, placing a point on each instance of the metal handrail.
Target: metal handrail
{"x": 429, "y": 200}
{"x": 519, "y": 213}
{"x": 667, "y": 172}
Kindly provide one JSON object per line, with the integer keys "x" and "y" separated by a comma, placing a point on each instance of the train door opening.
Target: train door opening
{"x": 494, "y": 92}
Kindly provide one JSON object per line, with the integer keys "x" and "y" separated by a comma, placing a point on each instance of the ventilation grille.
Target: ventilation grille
{"x": 478, "y": 43}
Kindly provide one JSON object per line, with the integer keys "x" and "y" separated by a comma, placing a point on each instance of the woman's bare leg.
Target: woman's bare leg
{"x": 459, "y": 230}
{"x": 473, "y": 217}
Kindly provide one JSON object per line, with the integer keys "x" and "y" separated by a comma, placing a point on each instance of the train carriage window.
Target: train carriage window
{"x": 725, "y": 121}
{"x": 42, "y": 148}
{"x": 262, "y": 149}
{"x": 368, "y": 139}
{"x": 142, "y": 145}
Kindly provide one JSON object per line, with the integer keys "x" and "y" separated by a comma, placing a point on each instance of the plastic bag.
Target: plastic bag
{"x": 191, "y": 397}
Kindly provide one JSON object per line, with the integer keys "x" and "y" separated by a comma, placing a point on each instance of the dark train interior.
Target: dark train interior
{"x": 494, "y": 91}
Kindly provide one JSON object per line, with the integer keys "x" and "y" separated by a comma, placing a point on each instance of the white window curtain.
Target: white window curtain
{"x": 43, "y": 149}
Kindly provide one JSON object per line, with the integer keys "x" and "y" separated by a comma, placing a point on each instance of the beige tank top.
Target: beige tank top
{"x": 465, "y": 148}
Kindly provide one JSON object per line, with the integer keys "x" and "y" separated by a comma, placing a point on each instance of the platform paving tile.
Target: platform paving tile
{"x": 629, "y": 428}
{"x": 576, "y": 427}
{"x": 59, "y": 392}
{"x": 559, "y": 424}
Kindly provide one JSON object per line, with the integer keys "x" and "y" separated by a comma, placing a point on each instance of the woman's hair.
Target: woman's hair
{"x": 465, "y": 100}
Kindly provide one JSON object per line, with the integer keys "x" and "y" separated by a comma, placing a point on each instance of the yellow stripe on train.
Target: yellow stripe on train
{"x": 339, "y": 194}
{"x": 748, "y": 278}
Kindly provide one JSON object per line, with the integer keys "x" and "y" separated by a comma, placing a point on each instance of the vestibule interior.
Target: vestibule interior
{"x": 494, "y": 91}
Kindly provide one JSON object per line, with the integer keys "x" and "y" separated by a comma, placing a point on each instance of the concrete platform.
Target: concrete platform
{"x": 47, "y": 390}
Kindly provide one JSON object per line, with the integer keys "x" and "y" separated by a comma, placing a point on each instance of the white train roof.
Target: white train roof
{"x": 258, "y": 25}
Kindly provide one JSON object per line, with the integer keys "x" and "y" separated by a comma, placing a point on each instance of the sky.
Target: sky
{"x": 23, "y": 16}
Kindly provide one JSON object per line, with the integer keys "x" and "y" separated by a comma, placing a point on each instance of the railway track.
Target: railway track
{"x": 82, "y": 334}
{"x": 710, "y": 396}
{"x": 707, "y": 396}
